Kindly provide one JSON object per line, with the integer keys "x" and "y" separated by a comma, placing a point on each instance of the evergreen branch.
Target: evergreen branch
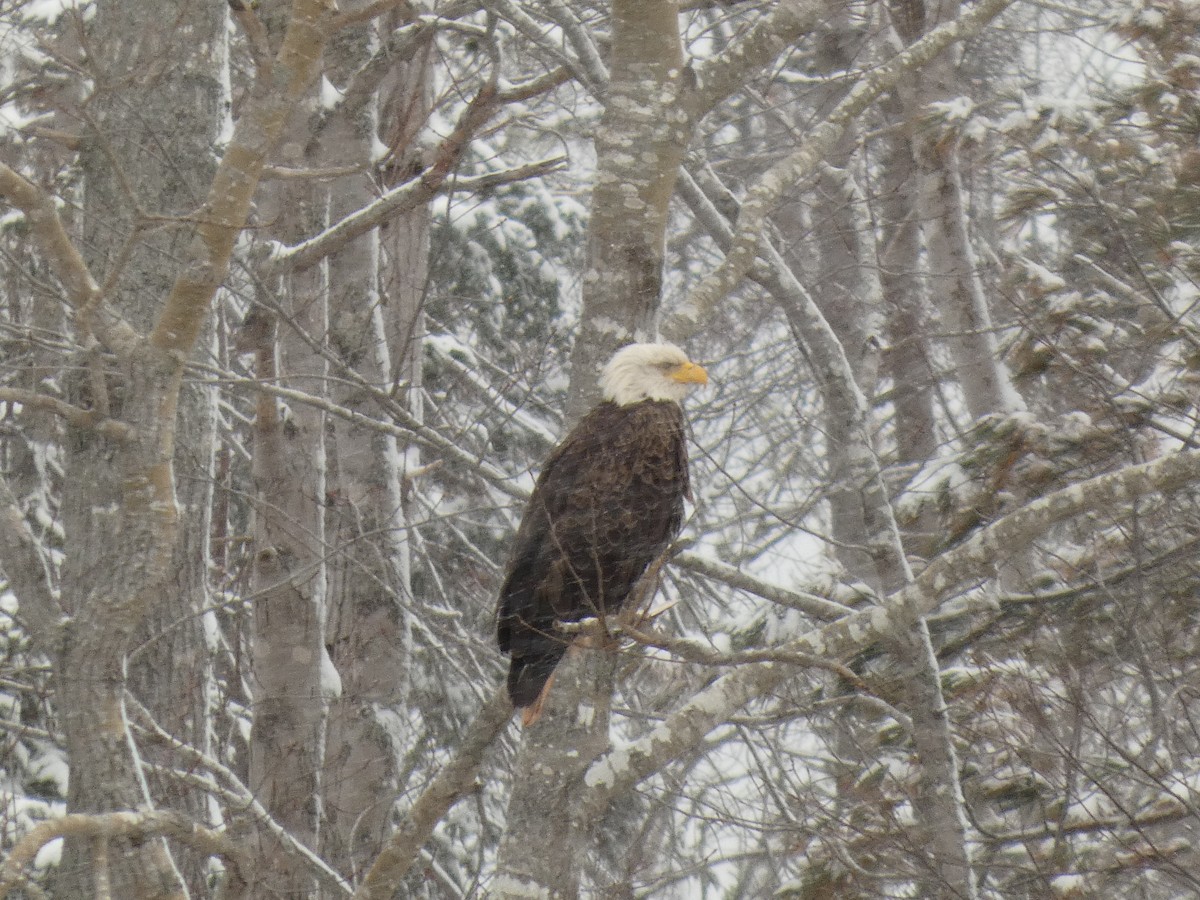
{"x": 29, "y": 567}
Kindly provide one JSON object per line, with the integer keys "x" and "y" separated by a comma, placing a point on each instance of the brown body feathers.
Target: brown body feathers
{"x": 608, "y": 501}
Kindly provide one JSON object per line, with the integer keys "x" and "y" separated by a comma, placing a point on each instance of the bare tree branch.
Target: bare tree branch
{"x": 137, "y": 826}
{"x": 818, "y": 607}
{"x": 241, "y": 796}
{"x": 396, "y": 202}
{"x": 74, "y": 415}
{"x": 454, "y": 781}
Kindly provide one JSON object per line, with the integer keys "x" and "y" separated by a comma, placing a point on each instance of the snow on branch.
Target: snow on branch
{"x": 590, "y": 71}
{"x": 580, "y": 40}
{"x": 727, "y": 73}
{"x": 395, "y": 202}
{"x": 624, "y": 767}
{"x": 27, "y": 565}
{"x": 698, "y": 652}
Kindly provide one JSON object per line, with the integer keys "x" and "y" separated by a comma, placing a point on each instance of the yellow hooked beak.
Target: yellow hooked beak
{"x": 689, "y": 373}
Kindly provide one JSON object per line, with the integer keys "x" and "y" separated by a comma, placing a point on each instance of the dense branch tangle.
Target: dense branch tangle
{"x": 445, "y": 418}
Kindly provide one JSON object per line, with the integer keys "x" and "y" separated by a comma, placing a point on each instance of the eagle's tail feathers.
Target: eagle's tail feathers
{"x": 533, "y": 712}
{"x": 528, "y": 674}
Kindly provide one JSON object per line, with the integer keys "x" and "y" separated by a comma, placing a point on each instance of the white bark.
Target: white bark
{"x": 370, "y": 629}
{"x": 292, "y": 679}
{"x": 953, "y": 269}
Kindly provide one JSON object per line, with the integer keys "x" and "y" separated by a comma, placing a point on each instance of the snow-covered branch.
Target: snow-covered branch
{"x": 590, "y": 71}
{"x": 728, "y": 72}
{"x": 396, "y": 202}
{"x": 626, "y": 766}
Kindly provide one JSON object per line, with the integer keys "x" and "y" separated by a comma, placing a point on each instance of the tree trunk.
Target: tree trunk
{"x": 954, "y": 273}
{"x": 122, "y": 529}
{"x": 292, "y": 680}
{"x": 908, "y": 362}
{"x": 371, "y": 602}
{"x": 544, "y": 841}
{"x": 148, "y": 152}
{"x": 639, "y": 146}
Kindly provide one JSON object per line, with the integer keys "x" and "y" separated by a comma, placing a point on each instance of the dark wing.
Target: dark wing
{"x": 607, "y": 503}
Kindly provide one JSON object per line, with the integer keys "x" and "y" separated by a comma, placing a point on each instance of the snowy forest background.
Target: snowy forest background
{"x": 296, "y": 296}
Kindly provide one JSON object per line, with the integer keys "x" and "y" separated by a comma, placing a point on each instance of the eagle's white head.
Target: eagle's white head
{"x": 649, "y": 372}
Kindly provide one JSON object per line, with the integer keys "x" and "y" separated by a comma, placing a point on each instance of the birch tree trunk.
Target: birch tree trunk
{"x": 292, "y": 679}
{"x": 639, "y": 146}
{"x": 847, "y": 291}
{"x": 954, "y": 273}
{"x": 908, "y": 361}
{"x": 370, "y": 632}
{"x": 545, "y": 840}
{"x": 939, "y": 798}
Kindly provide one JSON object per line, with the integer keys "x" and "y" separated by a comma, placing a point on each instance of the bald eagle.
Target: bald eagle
{"x": 607, "y": 503}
